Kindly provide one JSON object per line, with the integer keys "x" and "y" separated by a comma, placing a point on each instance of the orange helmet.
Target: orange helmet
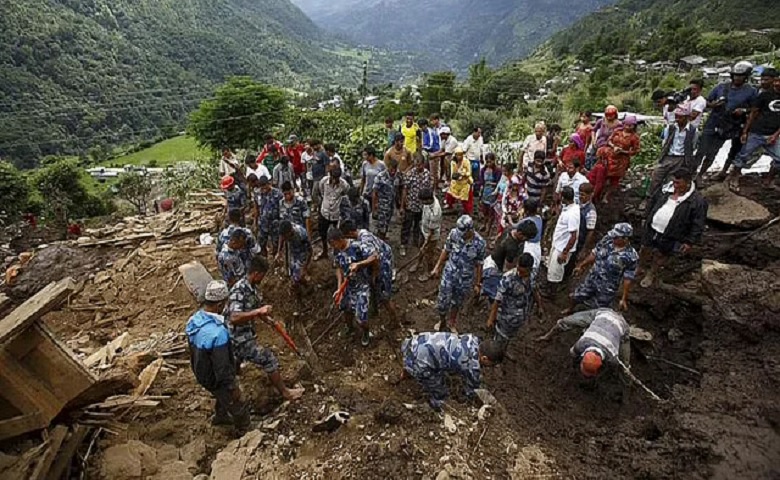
{"x": 227, "y": 182}
{"x": 611, "y": 111}
{"x": 590, "y": 363}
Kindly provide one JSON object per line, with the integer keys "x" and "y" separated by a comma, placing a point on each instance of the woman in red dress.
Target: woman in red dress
{"x": 624, "y": 144}
{"x": 574, "y": 151}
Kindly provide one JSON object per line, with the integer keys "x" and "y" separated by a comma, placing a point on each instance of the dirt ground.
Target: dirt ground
{"x": 722, "y": 422}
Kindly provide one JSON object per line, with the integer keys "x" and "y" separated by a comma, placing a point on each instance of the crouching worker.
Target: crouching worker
{"x": 512, "y": 302}
{"x": 428, "y": 357}
{"x": 606, "y": 339}
{"x": 299, "y": 251}
{"x": 245, "y": 306}
{"x": 211, "y": 358}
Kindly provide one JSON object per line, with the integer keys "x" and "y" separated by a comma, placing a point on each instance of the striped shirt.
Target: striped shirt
{"x": 535, "y": 181}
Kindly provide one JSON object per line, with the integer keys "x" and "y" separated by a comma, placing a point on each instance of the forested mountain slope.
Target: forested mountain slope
{"x": 75, "y": 73}
{"x": 454, "y": 33}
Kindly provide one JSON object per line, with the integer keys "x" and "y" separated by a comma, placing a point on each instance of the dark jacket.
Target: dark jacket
{"x": 687, "y": 222}
{"x": 690, "y": 140}
{"x": 211, "y": 356}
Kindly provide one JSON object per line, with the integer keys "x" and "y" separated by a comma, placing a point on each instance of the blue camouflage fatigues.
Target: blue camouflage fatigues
{"x": 232, "y": 264}
{"x": 386, "y": 187}
{"x": 601, "y": 286}
{"x": 384, "y": 280}
{"x": 251, "y": 246}
{"x": 429, "y": 356}
{"x": 298, "y": 248}
{"x": 244, "y": 298}
{"x": 268, "y": 207}
{"x": 356, "y": 297}
{"x": 297, "y": 212}
{"x": 514, "y": 296}
{"x": 360, "y": 214}
{"x": 458, "y": 276}
{"x": 236, "y": 198}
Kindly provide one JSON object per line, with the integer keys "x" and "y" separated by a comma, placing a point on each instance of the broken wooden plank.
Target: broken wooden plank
{"x": 196, "y": 278}
{"x": 67, "y": 451}
{"x": 147, "y": 377}
{"x": 22, "y": 424}
{"x": 5, "y": 302}
{"x": 118, "y": 240}
{"x": 46, "y": 460}
{"x": 109, "y": 351}
{"x": 47, "y": 299}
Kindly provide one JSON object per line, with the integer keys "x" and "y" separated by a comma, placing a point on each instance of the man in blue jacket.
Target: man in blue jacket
{"x": 211, "y": 357}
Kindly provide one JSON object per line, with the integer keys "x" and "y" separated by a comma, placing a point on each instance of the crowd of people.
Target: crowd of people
{"x": 535, "y": 228}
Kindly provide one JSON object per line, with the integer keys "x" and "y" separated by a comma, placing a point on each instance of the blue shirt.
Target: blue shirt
{"x": 741, "y": 97}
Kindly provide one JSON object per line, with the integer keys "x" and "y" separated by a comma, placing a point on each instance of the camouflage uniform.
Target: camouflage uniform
{"x": 458, "y": 276}
{"x": 232, "y": 264}
{"x": 384, "y": 280}
{"x": 360, "y": 214}
{"x": 244, "y": 298}
{"x": 251, "y": 246}
{"x": 386, "y": 187}
{"x": 297, "y": 212}
{"x": 356, "y": 297}
{"x": 514, "y": 296}
{"x": 298, "y": 247}
{"x": 268, "y": 207}
{"x": 428, "y": 356}
{"x": 601, "y": 286}
{"x": 236, "y": 198}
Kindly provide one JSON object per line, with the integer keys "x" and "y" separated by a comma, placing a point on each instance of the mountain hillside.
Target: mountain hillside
{"x": 669, "y": 30}
{"x": 454, "y": 33}
{"x": 76, "y": 73}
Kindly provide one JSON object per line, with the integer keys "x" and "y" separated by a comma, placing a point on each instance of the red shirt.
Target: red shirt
{"x": 569, "y": 155}
{"x": 295, "y": 153}
{"x": 266, "y": 150}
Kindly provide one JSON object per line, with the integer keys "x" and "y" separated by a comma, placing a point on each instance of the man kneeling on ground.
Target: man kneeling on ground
{"x": 429, "y": 356}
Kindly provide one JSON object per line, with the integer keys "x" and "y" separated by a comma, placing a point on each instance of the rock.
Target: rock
{"x": 192, "y": 453}
{"x": 167, "y": 453}
{"x": 532, "y": 462}
{"x": 767, "y": 241}
{"x": 742, "y": 294}
{"x": 230, "y": 463}
{"x": 674, "y": 334}
{"x": 728, "y": 208}
{"x": 202, "y": 476}
{"x": 449, "y": 423}
{"x": 129, "y": 461}
{"x": 176, "y": 470}
{"x": 389, "y": 413}
{"x": 486, "y": 397}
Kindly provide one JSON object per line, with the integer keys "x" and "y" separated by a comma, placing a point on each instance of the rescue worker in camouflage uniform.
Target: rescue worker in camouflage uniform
{"x": 298, "y": 250}
{"x": 382, "y": 277}
{"x": 212, "y": 359}
{"x": 267, "y": 210}
{"x": 245, "y": 307}
{"x": 235, "y": 197}
{"x": 614, "y": 262}
{"x": 512, "y": 305}
{"x": 428, "y": 357}
{"x": 294, "y": 208}
{"x": 231, "y": 260}
{"x": 355, "y": 208}
{"x": 464, "y": 251}
{"x": 234, "y": 218}
{"x": 606, "y": 339}
{"x": 387, "y": 185}
{"x": 354, "y": 263}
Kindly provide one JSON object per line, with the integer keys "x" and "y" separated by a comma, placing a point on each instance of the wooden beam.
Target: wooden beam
{"x": 44, "y": 463}
{"x": 66, "y": 453}
{"x": 21, "y": 424}
{"x": 47, "y": 299}
{"x": 24, "y": 390}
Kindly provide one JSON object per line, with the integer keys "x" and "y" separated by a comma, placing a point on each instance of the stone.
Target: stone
{"x": 231, "y": 462}
{"x": 176, "y": 470}
{"x": 728, "y": 208}
{"x": 743, "y": 295}
{"x": 192, "y": 453}
{"x": 167, "y": 453}
{"x": 129, "y": 461}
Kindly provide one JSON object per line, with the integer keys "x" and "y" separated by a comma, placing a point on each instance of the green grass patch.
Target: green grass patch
{"x": 167, "y": 152}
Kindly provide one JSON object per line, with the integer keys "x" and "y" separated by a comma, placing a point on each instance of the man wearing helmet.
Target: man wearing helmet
{"x": 729, "y": 102}
{"x": 605, "y": 340}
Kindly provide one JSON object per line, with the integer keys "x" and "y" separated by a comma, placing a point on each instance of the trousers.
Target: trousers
{"x": 411, "y": 228}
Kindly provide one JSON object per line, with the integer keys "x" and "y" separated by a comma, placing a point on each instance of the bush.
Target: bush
{"x": 179, "y": 181}
{"x": 14, "y": 193}
{"x": 136, "y": 189}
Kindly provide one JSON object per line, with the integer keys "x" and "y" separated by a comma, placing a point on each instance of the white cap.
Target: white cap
{"x": 445, "y": 130}
{"x": 217, "y": 291}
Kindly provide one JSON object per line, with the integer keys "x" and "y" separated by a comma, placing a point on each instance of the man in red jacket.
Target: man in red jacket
{"x": 294, "y": 151}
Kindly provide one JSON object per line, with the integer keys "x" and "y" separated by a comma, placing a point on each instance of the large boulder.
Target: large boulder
{"x": 129, "y": 461}
{"x": 741, "y": 294}
{"x": 230, "y": 463}
{"x": 728, "y": 208}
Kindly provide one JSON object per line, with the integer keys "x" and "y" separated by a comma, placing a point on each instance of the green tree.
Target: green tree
{"x": 136, "y": 188}
{"x": 240, "y": 114}
{"x": 478, "y": 91}
{"x": 437, "y": 88}
{"x": 14, "y": 193}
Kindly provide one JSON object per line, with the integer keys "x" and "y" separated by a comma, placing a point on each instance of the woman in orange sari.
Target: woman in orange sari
{"x": 624, "y": 144}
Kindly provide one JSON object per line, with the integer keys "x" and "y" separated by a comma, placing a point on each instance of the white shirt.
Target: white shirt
{"x": 431, "y": 218}
{"x": 531, "y": 145}
{"x": 664, "y": 214}
{"x": 473, "y": 148}
{"x": 307, "y": 160}
{"x": 260, "y": 171}
{"x": 566, "y": 181}
{"x": 535, "y": 250}
{"x": 450, "y": 145}
{"x": 698, "y": 104}
{"x": 226, "y": 165}
{"x": 568, "y": 224}
{"x": 677, "y": 149}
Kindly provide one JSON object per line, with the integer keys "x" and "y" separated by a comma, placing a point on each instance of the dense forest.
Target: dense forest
{"x": 452, "y": 34}
{"x": 669, "y": 30}
{"x": 89, "y": 74}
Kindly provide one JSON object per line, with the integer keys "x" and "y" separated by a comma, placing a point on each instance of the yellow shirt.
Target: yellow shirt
{"x": 411, "y": 141}
{"x": 460, "y": 188}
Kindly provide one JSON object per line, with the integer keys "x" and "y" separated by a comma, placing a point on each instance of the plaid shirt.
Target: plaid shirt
{"x": 414, "y": 182}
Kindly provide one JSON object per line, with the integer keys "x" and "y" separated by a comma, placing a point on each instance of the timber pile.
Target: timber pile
{"x": 199, "y": 217}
